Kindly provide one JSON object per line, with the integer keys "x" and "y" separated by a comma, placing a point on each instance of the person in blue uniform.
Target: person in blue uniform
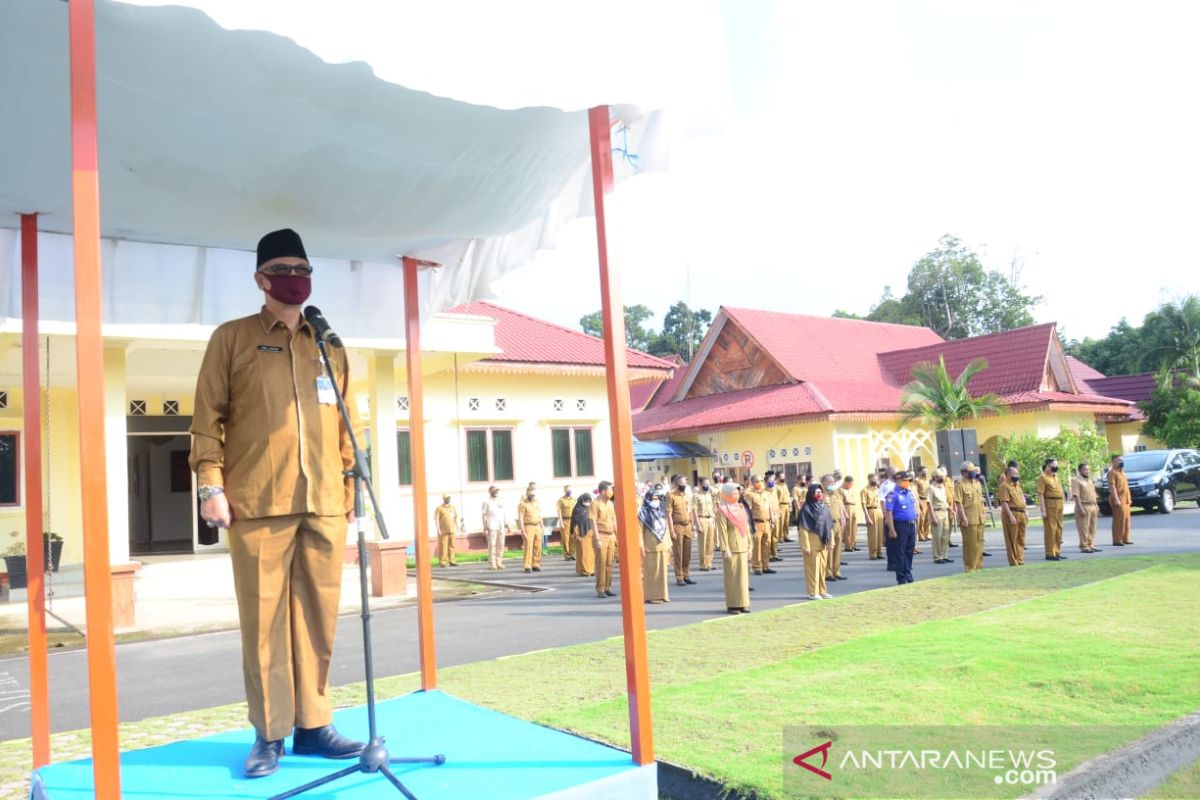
{"x": 900, "y": 517}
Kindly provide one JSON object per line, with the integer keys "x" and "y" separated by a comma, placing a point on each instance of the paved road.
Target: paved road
{"x": 161, "y": 677}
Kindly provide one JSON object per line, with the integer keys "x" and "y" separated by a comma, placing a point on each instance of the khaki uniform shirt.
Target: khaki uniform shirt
{"x": 836, "y": 501}
{"x": 941, "y": 497}
{"x": 781, "y": 499}
{"x": 1011, "y": 493}
{"x": 446, "y": 519}
{"x": 565, "y": 506}
{"x": 922, "y": 489}
{"x": 729, "y": 538}
{"x": 679, "y": 512}
{"x": 703, "y": 503}
{"x": 760, "y": 505}
{"x": 1118, "y": 488}
{"x": 529, "y": 513}
{"x": 1049, "y": 487}
{"x": 798, "y": 494}
{"x": 852, "y": 497}
{"x": 869, "y": 497}
{"x": 1084, "y": 491}
{"x": 604, "y": 517}
{"x": 970, "y": 496}
{"x": 259, "y": 428}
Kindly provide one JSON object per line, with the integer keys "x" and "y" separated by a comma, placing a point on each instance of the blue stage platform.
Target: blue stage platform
{"x": 488, "y": 755}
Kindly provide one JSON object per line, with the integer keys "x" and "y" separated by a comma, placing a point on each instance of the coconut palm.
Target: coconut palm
{"x": 940, "y": 402}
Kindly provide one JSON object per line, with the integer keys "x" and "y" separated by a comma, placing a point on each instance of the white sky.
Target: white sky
{"x": 854, "y": 136}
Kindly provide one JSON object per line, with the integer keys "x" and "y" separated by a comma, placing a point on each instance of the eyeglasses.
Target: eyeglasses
{"x": 288, "y": 269}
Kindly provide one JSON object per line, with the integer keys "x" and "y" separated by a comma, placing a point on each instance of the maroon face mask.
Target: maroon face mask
{"x": 290, "y": 290}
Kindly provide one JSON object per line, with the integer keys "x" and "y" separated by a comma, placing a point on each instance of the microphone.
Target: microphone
{"x": 321, "y": 325}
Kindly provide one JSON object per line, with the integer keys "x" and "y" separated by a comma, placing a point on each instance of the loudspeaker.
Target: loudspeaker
{"x": 950, "y": 450}
{"x": 970, "y": 445}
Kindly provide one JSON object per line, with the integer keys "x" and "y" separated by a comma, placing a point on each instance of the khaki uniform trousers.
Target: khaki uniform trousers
{"x": 939, "y": 523}
{"x": 972, "y": 545}
{"x": 850, "y": 534}
{"x": 1052, "y": 527}
{"x": 833, "y": 553}
{"x": 1121, "y": 519}
{"x": 495, "y": 540}
{"x": 1085, "y": 524}
{"x": 762, "y": 547}
{"x": 606, "y": 553}
{"x": 533, "y": 545}
{"x": 924, "y": 520}
{"x": 875, "y": 533}
{"x": 681, "y": 550}
{"x": 585, "y": 553}
{"x": 446, "y": 549}
{"x": 287, "y": 574}
{"x": 707, "y": 542}
{"x": 815, "y": 569}
{"x": 1014, "y": 537}
{"x": 778, "y": 531}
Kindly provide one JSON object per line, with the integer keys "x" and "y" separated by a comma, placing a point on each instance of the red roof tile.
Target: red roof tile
{"x": 1022, "y": 398}
{"x": 1135, "y": 388}
{"x": 522, "y": 338}
{"x": 651, "y": 393}
{"x": 1016, "y": 359}
{"x": 729, "y": 408}
{"x": 1082, "y": 371}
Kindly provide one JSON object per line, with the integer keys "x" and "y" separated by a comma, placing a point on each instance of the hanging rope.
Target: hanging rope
{"x": 46, "y": 482}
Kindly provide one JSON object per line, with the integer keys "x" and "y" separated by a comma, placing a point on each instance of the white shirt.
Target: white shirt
{"x": 494, "y": 517}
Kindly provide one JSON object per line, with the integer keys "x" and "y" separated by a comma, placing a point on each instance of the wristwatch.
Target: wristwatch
{"x": 207, "y": 493}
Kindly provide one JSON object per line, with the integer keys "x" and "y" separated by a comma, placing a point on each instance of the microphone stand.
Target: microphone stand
{"x": 374, "y": 757}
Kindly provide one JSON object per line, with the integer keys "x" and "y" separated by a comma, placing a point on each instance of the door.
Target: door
{"x": 139, "y": 499}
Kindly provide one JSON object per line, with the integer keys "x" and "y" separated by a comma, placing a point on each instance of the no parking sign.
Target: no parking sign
{"x": 747, "y": 459}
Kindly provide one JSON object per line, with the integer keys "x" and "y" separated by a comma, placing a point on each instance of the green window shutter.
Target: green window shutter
{"x": 560, "y": 441}
{"x": 583, "y": 452}
{"x": 404, "y": 454}
{"x": 10, "y": 460}
{"x": 477, "y": 466}
{"x": 502, "y": 456}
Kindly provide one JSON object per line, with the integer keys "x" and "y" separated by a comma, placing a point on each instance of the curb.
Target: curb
{"x": 681, "y": 783}
{"x": 1132, "y": 770}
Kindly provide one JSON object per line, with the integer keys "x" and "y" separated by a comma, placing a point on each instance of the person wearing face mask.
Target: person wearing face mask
{"x": 270, "y": 449}
{"x": 815, "y": 524}
{"x": 850, "y": 496}
{"x": 873, "y": 517}
{"x": 900, "y": 516}
{"x": 969, "y": 503}
{"x": 529, "y": 517}
{"x": 445, "y": 519}
{"x": 702, "y": 518}
{"x": 1013, "y": 518}
{"x": 1119, "y": 500}
{"x": 604, "y": 525}
{"x": 759, "y": 503}
{"x": 941, "y": 500}
{"x": 1087, "y": 509}
{"x": 679, "y": 516}
{"x": 735, "y": 538}
{"x": 655, "y": 546}
{"x": 1050, "y": 503}
{"x": 835, "y": 499}
{"x": 564, "y": 507}
{"x": 799, "y": 490}
{"x": 924, "y": 523}
{"x": 495, "y": 527}
{"x": 582, "y": 536}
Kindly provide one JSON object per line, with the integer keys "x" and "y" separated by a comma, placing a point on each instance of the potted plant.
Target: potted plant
{"x": 52, "y": 548}
{"x": 14, "y": 562}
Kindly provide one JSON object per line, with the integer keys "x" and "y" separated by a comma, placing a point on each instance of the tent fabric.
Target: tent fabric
{"x": 209, "y": 138}
{"x": 655, "y": 451}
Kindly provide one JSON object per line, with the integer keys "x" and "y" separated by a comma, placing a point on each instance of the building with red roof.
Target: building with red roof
{"x": 808, "y": 394}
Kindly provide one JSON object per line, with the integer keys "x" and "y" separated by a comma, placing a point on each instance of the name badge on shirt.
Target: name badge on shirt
{"x": 325, "y": 394}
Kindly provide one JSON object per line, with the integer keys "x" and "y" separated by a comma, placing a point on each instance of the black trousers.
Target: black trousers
{"x": 900, "y": 550}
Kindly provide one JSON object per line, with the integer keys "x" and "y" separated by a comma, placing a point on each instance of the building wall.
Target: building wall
{"x": 1126, "y": 437}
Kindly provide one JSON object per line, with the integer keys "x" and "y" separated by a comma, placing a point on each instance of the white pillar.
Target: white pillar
{"x": 385, "y": 464}
{"x": 116, "y": 447}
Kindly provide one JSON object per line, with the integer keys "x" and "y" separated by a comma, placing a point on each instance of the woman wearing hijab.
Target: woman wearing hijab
{"x": 816, "y": 530}
{"x": 656, "y": 547}
{"x": 733, "y": 537}
{"x": 581, "y": 532}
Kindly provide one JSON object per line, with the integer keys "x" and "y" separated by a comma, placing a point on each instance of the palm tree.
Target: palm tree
{"x": 940, "y": 402}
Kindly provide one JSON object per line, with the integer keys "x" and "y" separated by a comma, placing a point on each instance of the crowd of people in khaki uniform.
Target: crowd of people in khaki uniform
{"x": 749, "y": 525}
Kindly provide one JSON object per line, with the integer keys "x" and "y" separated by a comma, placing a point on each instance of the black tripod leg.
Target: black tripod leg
{"x": 319, "y": 782}
{"x": 387, "y": 773}
{"x": 439, "y": 760}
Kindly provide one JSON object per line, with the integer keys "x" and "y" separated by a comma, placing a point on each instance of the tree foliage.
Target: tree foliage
{"x": 1173, "y": 411}
{"x": 949, "y": 291}
{"x": 1070, "y": 447}
{"x": 683, "y": 329}
{"x": 1168, "y": 338}
{"x": 939, "y": 401}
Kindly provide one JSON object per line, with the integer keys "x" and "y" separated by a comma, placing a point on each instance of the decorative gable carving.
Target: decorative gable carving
{"x": 735, "y": 362}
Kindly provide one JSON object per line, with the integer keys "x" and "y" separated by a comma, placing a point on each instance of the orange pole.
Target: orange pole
{"x": 97, "y": 576}
{"x": 39, "y": 680}
{"x": 420, "y": 497}
{"x": 633, "y": 612}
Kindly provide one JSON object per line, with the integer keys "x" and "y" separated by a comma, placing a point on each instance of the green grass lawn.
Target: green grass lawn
{"x": 1105, "y": 641}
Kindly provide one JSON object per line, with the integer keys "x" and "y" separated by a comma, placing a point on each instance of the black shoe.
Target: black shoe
{"x": 986, "y": 555}
{"x": 752, "y": 588}
{"x": 1062, "y": 558}
{"x": 1096, "y": 549}
{"x": 689, "y": 581}
{"x": 537, "y": 569}
{"x": 842, "y": 564}
{"x": 745, "y": 611}
{"x": 264, "y": 758}
{"x": 768, "y": 571}
{"x": 325, "y": 742}
{"x": 733, "y": 611}
{"x": 1052, "y": 558}
{"x": 527, "y": 569}
{"x": 952, "y": 544}
{"x": 1118, "y": 544}
{"x": 609, "y": 593}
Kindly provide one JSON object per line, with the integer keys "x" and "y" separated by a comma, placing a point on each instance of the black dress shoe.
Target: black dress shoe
{"x": 264, "y": 758}
{"x": 1062, "y": 558}
{"x": 1052, "y": 558}
{"x": 952, "y": 544}
{"x": 527, "y": 569}
{"x": 689, "y": 581}
{"x": 609, "y": 593}
{"x": 733, "y": 611}
{"x": 768, "y": 571}
{"x": 745, "y": 611}
{"x": 987, "y": 554}
{"x": 325, "y": 742}
{"x": 537, "y": 569}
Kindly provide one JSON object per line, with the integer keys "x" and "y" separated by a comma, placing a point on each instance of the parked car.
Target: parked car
{"x": 1158, "y": 479}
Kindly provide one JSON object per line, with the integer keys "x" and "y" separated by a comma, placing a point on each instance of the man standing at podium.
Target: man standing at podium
{"x": 270, "y": 451}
